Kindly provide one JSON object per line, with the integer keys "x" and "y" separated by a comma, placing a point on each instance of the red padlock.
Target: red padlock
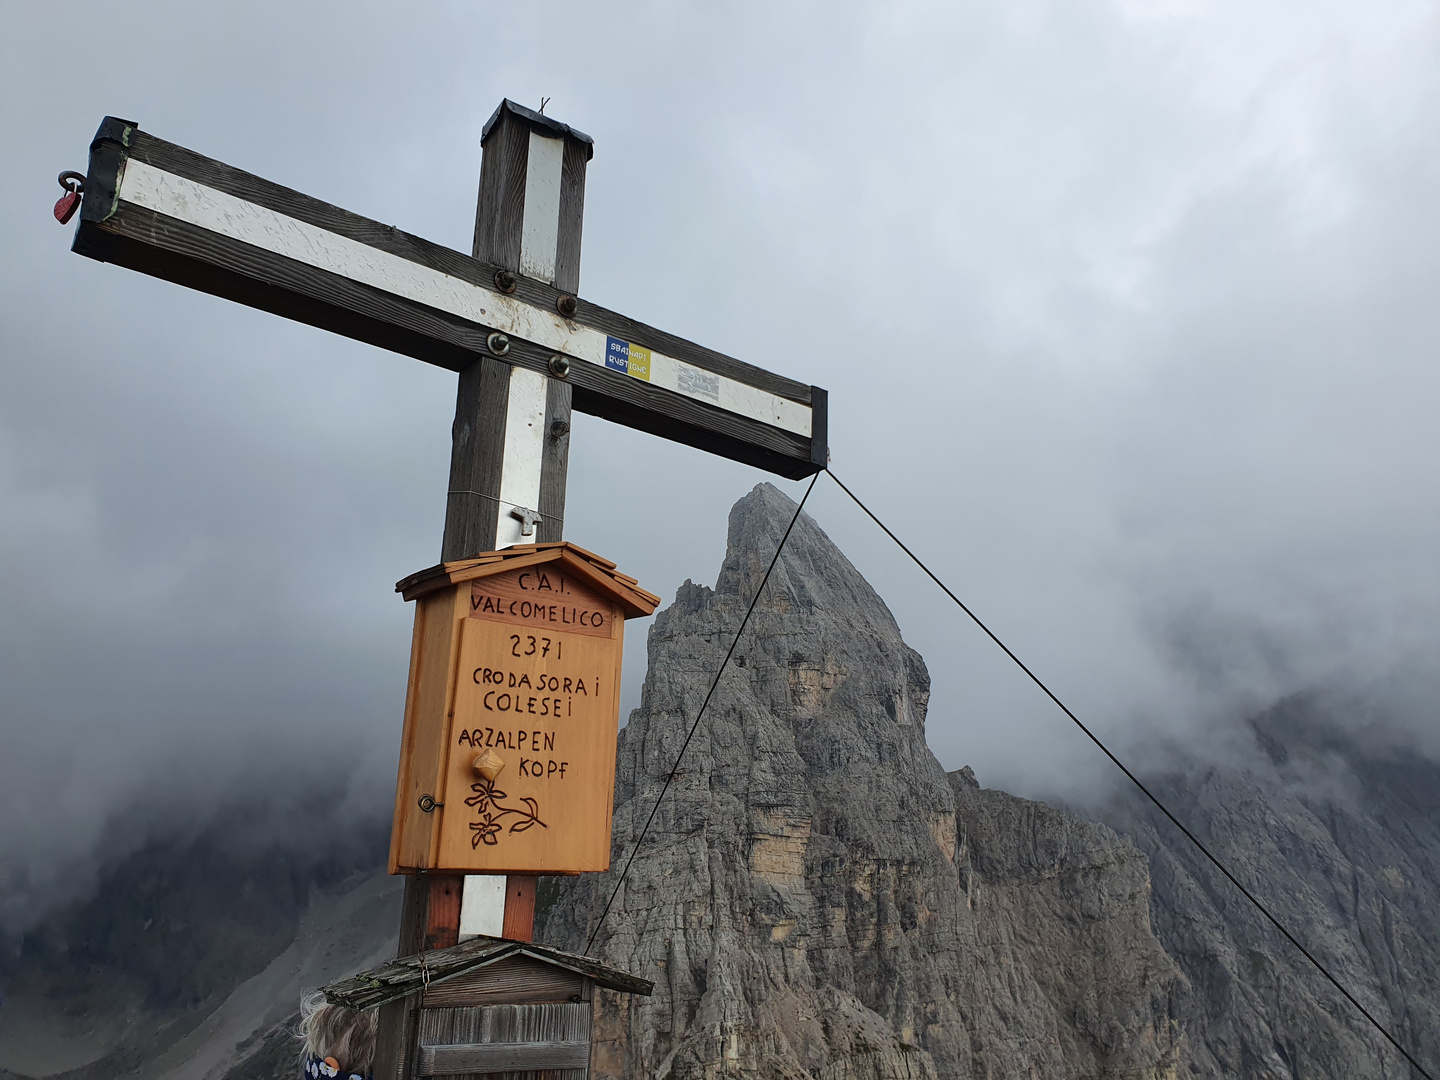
{"x": 74, "y": 184}
{"x": 66, "y": 207}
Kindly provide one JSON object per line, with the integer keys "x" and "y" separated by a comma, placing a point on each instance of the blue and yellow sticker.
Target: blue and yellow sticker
{"x": 631, "y": 359}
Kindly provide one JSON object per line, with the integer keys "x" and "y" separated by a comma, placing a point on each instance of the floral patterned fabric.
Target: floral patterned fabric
{"x": 318, "y": 1068}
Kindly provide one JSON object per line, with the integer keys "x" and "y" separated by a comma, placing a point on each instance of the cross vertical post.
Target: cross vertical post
{"x": 511, "y": 445}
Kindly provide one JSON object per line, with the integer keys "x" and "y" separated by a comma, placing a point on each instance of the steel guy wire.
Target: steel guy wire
{"x": 1136, "y": 781}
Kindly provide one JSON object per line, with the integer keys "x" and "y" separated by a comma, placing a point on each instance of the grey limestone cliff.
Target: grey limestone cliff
{"x": 1339, "y": 835}
{"x": 816, "y": 897}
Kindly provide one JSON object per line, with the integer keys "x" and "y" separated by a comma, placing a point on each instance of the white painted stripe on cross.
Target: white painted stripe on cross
{"x": 225, "y": 214}
{"x": 524, "y": 451}
{"x": 540, "y": 224}
{"x": 482, "y": 906}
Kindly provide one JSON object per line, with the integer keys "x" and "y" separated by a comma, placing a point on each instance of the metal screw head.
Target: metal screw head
{"x": 559, "y": 366}
{"x": 559, "y": 429}
{"x": 505, "y": 281}
{"x": 567, "y": 305}
{"x": 499, "y": 344}
{"x": 428, "y": 803}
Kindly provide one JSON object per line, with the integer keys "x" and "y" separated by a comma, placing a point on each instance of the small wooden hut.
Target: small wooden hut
{"x": 485, "y": 1006}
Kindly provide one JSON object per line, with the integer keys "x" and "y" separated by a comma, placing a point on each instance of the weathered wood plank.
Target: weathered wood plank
{"x": 499, "y": 212}
{"x": 500, "y": 224}
{"x": 443, "y": 914}
{"x": 506, "y": 1027}
{"x": 406, "y": 974}
{"x": 502, "y": 1057}
{"x": 224, "y": 215}
{"x": 555, "y": 466}
{"x": 423, "y": 749}
{"x": 396, "y": 1036}
{"x": 479, "y": 271}
{"x": 176, "y": 251}
{"x": 516, "y": 980}
{"x": 472, "y": 506}
{"x": 572, "y": 214}
{"x": 519, "y": 907}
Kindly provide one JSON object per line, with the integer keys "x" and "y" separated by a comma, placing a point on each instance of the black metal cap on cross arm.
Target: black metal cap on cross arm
{"x": 546, "y": 124}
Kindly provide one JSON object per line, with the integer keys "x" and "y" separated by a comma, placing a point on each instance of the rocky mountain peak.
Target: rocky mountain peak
{"x": 808, "y": 900}
{"x": 813, "y": 575}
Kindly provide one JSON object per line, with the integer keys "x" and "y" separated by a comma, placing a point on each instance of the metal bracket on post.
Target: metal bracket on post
{"x": 527, "y": 519}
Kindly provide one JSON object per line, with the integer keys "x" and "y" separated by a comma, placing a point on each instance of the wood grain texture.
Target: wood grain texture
{"x": 524, "y": 455}
{"x": 545, "y": 704}
{"x": 517, "y": 980}
{"x": 601, "y": 573}
{"x": 200, "y": 259}
{"x": 555, "y": 466}
{"x": 544, "y": 600}
{"x": 414, "y": 908}
{"x": 443, "y": 910}
{"x": 540, "y": 232}
{"x": 480, "y": 269}
{"x": 485, "y": 1058}
{"x": 396, "y": 1034}
{"x": 473, "y": 1042}
{"x": 499, "y": 212}
{"x": 519, "y": 907}
{"x": 472, "y": 507}
{"x": 572, "y": 216}
{"x": 408, "y": 849}
{"x": 407, "y": 974}
{"x": 422, "y": 744}
{"x": 271, "y": 235}
{"x": 164, "y": 247}
{"x": 499, "y": 225}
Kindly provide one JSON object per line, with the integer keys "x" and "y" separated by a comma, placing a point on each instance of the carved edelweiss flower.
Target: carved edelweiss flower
{"x": 485, "y": 796}
{"x": 490, "y": 808}
{"x": 485, "y": 830}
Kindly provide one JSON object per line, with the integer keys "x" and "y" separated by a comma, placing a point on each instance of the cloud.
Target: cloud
{"x": 1126, "y": 312}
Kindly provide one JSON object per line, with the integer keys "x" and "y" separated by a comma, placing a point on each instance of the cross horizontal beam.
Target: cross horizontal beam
{"x": 159, "y": 208}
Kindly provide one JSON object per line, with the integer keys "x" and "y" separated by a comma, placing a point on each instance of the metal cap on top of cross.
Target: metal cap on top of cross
{"x": 508, "y": 320}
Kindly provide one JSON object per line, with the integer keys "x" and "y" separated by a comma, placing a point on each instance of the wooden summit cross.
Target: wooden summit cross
{"x": 506, "y": 318}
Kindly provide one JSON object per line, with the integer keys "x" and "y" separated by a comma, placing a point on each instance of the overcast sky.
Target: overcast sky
{"x": 1128, "y": 313}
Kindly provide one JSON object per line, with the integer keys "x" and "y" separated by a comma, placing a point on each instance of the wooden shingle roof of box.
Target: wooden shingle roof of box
{"x": 597, "y": 572}
{"x": 409, "y": 974}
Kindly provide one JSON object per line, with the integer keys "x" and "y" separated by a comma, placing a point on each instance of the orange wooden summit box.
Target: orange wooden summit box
{"x": 507, "y": 764}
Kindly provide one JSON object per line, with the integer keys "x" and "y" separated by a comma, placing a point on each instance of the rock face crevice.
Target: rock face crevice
{"x": 817, "y": 897}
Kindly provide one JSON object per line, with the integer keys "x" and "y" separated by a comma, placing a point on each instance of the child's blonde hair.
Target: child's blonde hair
{"x": 334, "y": 1031}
